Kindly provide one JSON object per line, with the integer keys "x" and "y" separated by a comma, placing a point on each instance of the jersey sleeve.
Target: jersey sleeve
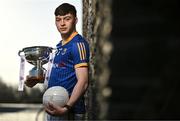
{"x": 80, "y": 52}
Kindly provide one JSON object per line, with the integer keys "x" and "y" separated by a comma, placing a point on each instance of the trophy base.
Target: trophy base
{"x": 38, "y": 79}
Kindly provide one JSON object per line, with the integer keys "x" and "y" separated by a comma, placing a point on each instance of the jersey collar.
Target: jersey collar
{"x": 69, "y": 38}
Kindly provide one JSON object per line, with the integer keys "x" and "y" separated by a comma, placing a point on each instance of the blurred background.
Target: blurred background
{"x": 135, "y": 47}
{"x": 145, "y": 63}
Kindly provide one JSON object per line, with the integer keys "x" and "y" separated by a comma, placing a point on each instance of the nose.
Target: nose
{"x": 62, "y": 22}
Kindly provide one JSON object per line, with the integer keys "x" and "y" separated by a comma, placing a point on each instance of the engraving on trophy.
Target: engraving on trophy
{"x": 37, "y": 56}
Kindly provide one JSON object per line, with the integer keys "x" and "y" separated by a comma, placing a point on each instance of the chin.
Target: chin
{"x": 63, "y": 32}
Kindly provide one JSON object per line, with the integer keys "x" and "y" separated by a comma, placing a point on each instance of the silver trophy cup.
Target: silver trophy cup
{"x": 37, "y": 56}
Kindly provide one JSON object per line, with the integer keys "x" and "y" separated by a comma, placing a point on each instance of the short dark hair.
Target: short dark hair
{"x": 64, "y": 9}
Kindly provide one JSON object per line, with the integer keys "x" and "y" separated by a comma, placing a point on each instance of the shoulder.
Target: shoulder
{"x": 80, "y": 39}
{"x": 80, "y": 45}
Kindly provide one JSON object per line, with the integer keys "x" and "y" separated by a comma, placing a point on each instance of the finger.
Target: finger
{"x": 51, "y": 112}
{"x": 51, "y": 105}
{"x": 30, "y": 84}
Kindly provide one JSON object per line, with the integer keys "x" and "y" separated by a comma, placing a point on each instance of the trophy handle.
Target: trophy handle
{"x": 51, "y": 51}
{"x": 19, "y": 53}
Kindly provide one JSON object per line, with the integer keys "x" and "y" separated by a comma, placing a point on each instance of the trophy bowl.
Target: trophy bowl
{"x": 37, "y": 56}
{"x": 35, "y": 53}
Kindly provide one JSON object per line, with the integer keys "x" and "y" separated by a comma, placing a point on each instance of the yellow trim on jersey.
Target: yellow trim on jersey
{"x": 80, "y": 65}
{"x": 82, "y": 50}
{"x": 69, "y": 38}
{"x": 79, "y": 51}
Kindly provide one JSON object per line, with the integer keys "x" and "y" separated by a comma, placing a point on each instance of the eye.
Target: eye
{"x": 67, "y": 18}
{"x": 58, "y": 19}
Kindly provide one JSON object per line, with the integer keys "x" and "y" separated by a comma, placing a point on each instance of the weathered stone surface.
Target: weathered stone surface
{"x": 96, "y": 29}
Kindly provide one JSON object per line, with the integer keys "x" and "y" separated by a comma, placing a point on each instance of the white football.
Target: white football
{"x": 56, "y": 95}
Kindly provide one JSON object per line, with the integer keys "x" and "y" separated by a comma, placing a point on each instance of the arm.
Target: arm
{"x": 81, "y": 86}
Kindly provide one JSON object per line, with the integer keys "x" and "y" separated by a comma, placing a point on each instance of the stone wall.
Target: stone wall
{"x": 96, "y": 29}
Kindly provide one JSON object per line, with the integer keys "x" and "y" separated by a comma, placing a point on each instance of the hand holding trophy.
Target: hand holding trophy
{"x": 37, "y": 56}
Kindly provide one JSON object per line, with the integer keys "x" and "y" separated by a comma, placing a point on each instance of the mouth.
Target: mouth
{"x": 62, "y": 29}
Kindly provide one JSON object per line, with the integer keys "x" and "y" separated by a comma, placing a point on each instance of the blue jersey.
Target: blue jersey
{"x": 70, "y": 55}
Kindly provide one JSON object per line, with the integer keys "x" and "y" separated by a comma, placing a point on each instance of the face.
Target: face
{"x": 66, "y": 24}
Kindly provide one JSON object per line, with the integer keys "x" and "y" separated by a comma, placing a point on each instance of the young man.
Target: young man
{"x": 70, "y": 66}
